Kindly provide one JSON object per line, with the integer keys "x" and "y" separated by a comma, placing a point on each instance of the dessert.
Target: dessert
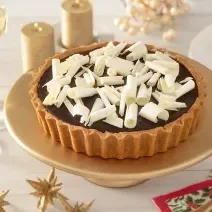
{"x": 118, "y": 100}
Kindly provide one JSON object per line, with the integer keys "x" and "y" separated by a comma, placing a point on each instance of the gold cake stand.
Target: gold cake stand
{"x": 22, "y": 124}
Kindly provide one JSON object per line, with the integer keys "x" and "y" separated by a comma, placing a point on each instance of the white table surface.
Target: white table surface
{"x": 16, "y": 165}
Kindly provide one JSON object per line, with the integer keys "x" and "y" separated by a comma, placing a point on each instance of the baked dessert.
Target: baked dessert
{"x": 118, "y": 100}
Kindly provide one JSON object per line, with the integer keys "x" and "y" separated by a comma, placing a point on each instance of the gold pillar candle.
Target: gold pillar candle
{"x": 37, "y": 41}
{"x": 76, "y": 23}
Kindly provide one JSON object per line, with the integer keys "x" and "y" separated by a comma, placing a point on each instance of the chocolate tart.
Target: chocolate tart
{"x": 106, "y": 141}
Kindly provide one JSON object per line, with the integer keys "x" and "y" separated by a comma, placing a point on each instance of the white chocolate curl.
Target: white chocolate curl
{"x": 114, "y": 80}
{"x": 123, "y": 101}
{"x": 61, "y": 97}
{"x": 143, "y": 71}
{"x": 134, "y": 56}
{"x": 190, "y": 85}
{"x": 65, "y": 81}
{"x": 79, "y": 73}
{"x": 161, "y": 56}
{"x": 52, "y": 96}
{"x": 55, "y": 67}
{"x": 64, "y": 67}
{"x": 144, "y": 95}
{"x": 137, "y": 68}
{"x": 97, "y": 52}
{"x": 98, "y": 104}
{"x": 120, "y": 88}
{"x": 185, "y": 80}
{"x": 103, "y": 97}
{"x": 111, "y": 96}
{"x": 99, "y": 66}
{"x": 81, "y": 110}
{"x": 170, "y": 80}
{"x": 75, "y": 66}
{"x": 123, "y": 67}
{"x": 156, "y": 96}
{"x": 89, "y": 78}
{"x": 137, "y": 47}
{"x": 167, "y": 64}
{"x": 80, "y": 82}
{"x": 170, "y": 105}
{"x": 81, "y": 92}
{"x": 131, "y": 115}
{"x": 131, "y": 89}
{"x": 111, "y": 72}
{"x": 69, "y": 106}
{"x": 79, "y": 58}
{"x": 151, "y": 112}
{"x": 101, "y": 114}
{"x": 144, "y": 78}
{"x": 166, "y": 96}
{"x": 113, "y": 90}
{"x": 153, "y": 80}
{"x": 114, "y": 121}
{"x": 156, "y": 67}
{"x": 150, "y": 57}
{"x": 115, "y": 51}
{"x": 165, "y": 88}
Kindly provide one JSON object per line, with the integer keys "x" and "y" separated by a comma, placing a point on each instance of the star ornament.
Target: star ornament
{"x": 46, "y": 190}
{"x": 2, "y": 201}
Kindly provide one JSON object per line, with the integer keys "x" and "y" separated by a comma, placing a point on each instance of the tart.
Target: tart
{"x": 118, "y": 100}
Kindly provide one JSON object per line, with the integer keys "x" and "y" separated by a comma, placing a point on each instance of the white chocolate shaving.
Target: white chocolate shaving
{"x": 122, "y": 102}
{"x": 81, "y": 92}
{"x": 79, "y": 58}
{"x": 111, "y": 72}
{"x": 80, "y": 82}
{"x": 177, "y": 85}
{"x": 166, "y": 96}
{"x": 156, "y": 67}
{"x": 81, "y": 110}
{"x": 69, "y": 106}
{"x": 61, "y": 97}
{"x": 185, "y": 80}
{"x": 143, "y": 71}
{"x": 79, "y": 101}
{"x": 111, "y": 96}
{"x": 113, "y": 90}
{"x": 99, "y": 66}
{"x": 167, "y": 64}
{"x": 156, "y": 96}
{"x": 134, "y": 56}
{"x": 55, "y": 67}
{"x": 151, "y": 112}
{"x": 97, "y": 52}
{"x": 79, "y": 73}
{"x": 170, "y": 105}
{"x": 131, "y": 115}
{"x": 165, "y": 89}
{"x": 144, "y": 78}
{"x": 74, "y": 69}
{"x": 136, "y": 47}
{"x": 101, "y": 114}
{"x": 115, "y": 51}
{"x": 170, "y": 79}
{"x": 115, "y": 80}
{"x": 89, "y": 78}
{"x": 154, "y": 79}
{"x": 98, "y": 104}
{"x": 137, "y": 68}
{"x": 120, "y": 88}
{"x": 190, "y": 85}
{"x": 150, "y": 57}
{"x": 131, "y": 89}
{"x": 64, "y": 67}
{"x": 65, "y": 81}
{"x": 161, "y": 56}
{"x": 52, "y": 96}
{"x": 114, "y": 121}
{"x": 103, "y": 97}
{"x": 123, "y": 67}
{"x": 144, "y": 95}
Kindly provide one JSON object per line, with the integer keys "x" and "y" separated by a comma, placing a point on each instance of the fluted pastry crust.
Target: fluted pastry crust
{"x": 124, "y": 144}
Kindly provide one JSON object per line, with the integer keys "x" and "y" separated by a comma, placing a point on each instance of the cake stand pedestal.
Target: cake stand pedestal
{"x": 23, "y": 125}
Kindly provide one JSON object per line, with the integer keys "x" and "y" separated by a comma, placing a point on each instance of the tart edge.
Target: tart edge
{"x": 116, "y": 145}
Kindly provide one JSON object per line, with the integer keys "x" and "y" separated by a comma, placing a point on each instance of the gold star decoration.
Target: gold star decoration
{"x": 77, "y": 208}
{"x": 2, "y": 201}
{"x": 46, "y": 190}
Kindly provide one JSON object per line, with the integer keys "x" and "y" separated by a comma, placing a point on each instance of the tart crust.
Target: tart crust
{"x": 124, "y": 144}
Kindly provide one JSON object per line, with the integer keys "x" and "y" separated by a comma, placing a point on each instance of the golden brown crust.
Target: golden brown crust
{"x": 118, "y": 145}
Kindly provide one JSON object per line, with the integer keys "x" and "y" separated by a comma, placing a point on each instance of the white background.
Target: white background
{"x": 16, "y": 165}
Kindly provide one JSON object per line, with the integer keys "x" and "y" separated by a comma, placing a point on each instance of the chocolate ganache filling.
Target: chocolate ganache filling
{"x": 63, "y": 114}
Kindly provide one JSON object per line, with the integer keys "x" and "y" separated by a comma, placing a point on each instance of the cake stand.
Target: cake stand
{"x": 23, "y": 126}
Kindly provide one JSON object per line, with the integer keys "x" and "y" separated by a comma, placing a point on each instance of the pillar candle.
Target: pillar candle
{"x": 37, "y": 41}
{"x": 76, "y": 23}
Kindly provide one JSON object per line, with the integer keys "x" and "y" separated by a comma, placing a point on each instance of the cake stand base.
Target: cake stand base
{"x": 115, "y": 183}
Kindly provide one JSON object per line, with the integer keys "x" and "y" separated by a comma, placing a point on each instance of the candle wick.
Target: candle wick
{"x": 37, "y": 27}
